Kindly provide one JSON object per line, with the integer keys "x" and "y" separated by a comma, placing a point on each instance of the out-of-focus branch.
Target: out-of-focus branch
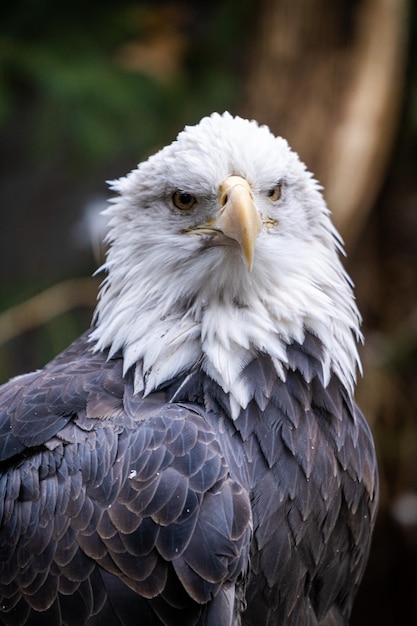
{"x": 58, "y": 299}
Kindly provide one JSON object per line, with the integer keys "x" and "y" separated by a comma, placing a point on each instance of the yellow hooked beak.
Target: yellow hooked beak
{"x": 238, "y": 217}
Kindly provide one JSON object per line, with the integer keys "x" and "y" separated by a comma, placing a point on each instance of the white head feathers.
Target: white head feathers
{"x": 177, "y": 294}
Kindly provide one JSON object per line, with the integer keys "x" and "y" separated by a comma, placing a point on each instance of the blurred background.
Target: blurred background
{"x": 89, "y": 89}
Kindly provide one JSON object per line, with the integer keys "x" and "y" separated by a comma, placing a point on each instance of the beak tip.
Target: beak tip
{"x": 249, "y": 261}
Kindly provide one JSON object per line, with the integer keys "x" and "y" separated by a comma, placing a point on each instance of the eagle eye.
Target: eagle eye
{"x": 183, "y": 201}
{"x": 274, "y": 194}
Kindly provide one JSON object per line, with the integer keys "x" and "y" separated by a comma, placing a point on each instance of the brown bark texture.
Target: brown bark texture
{"x": 328, "y": 75}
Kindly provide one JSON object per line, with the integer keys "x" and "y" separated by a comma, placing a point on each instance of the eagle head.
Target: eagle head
{"x": 221, "y": 248}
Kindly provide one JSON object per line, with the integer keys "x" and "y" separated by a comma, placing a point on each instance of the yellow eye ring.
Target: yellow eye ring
{"x": 183, "y": 200}
{"x": 274, "y": 194}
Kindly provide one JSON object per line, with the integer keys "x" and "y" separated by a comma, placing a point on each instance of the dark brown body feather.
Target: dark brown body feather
{"x": 118, "y": 509}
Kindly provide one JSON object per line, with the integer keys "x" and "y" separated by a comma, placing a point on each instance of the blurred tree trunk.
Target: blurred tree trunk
{"x": 328, "y": 76}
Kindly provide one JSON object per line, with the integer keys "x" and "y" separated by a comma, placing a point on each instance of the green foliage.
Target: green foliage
{"x": 81, "y": 102}
{"x": 80, "y": 70}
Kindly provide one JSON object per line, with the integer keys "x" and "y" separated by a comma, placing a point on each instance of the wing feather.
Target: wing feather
{"x": 106, "y": 481}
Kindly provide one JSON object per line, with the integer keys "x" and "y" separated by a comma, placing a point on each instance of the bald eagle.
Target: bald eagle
{"x": 197, "y": 456}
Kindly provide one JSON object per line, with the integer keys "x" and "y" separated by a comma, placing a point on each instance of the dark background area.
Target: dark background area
{"x": 87, "y": 90}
